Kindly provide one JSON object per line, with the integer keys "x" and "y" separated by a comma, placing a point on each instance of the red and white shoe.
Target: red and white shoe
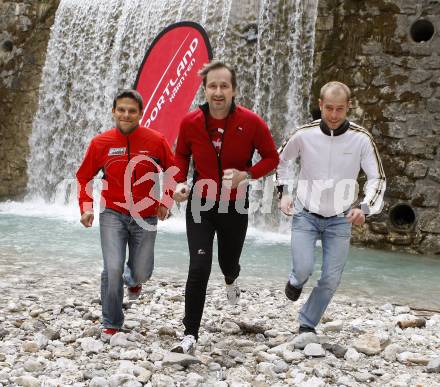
{"x": 134, "y": 292}
{"x": 107, "y": 333}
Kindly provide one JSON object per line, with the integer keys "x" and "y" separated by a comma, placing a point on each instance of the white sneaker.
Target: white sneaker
{"x": 233, "y": 293}
{"x": 187, "y": 345}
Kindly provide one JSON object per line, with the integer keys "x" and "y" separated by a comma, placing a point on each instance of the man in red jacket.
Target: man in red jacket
{"x": 221, "y": 138}
{"x": 131, "y": 158}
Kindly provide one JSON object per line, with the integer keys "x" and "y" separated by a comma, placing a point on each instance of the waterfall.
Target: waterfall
{"x": 96, "y": 48}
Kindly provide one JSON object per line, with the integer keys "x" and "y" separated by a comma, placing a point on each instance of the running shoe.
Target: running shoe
{"x": 134, "y": 292}
{"x": 187, "y": 345}
{"x": 233, "y": 293}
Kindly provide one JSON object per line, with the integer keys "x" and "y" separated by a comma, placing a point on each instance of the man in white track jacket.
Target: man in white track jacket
{"x": 331, "y": 152}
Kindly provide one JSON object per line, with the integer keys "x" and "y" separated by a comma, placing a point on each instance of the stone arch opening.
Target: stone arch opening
{"x": 402, "y": 216}
{"x": 422, "y": 30}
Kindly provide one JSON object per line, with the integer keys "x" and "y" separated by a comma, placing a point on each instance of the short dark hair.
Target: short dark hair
{"x": 132, "y": 94}
{"x": 214, "y": 65}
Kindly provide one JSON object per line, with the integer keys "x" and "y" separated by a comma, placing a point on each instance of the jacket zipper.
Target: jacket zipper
{"x": 330, "y": 160}
{"x": 218, "y": 155}
{"x": 128, "y": 164}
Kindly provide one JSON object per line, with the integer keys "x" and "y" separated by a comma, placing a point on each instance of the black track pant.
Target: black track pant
{"x": 231, "y": 231}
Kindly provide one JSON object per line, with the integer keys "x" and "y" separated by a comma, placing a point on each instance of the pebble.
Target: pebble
{"x": 434, "y": 365}
{"x": 179, "y": 358}
{"x": 367, "y": 344}
{"x": 352, "y": 355}
{"x": 119, "y": 340}
{"x": 333, "y": 326}
{"x": 303, "y": 339}
{"x": 314, "y": 350}
{"x": 252, "y": 344}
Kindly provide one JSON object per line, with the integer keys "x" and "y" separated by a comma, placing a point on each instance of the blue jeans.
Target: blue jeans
{"x": 117, "y": 231}
{"x": 335, "y": 234}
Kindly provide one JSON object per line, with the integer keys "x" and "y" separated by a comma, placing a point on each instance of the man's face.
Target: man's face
{"x": 334, "y": 108}
{"x": 219, "y": 92}
{"x": 127, "y": 115}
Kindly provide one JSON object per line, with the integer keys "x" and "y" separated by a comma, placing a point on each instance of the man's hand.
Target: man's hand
{"x": 356, "y": 216}
{"x": 181, "y": 193}
{"x": 87, "y": 219}
{"x": 286, "y": 205}
{"x": 233, "y": 177}
{"x": 163, "y": 212}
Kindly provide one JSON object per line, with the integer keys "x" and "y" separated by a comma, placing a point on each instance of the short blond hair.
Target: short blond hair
{"x": 335, "y": 86}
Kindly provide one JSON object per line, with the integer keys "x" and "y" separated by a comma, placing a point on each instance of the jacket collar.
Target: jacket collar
{"x": 336, "y": 132}
{"x": 128, "y": 136}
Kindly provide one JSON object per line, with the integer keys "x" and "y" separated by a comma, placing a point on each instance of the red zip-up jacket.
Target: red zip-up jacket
{"x": 245, "y": 132}
{"x": 136, "y": 158}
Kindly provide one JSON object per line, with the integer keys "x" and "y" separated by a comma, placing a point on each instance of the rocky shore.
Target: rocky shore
{"x": 50, "y": 336}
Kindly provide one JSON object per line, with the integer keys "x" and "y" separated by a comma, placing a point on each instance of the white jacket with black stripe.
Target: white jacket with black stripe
{"x": 330, "y": 161}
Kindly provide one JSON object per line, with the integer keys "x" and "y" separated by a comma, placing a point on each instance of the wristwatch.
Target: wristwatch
{"x": 248, "y": 176}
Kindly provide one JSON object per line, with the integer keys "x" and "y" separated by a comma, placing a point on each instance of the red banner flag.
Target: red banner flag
{"x": 167, "y": 78}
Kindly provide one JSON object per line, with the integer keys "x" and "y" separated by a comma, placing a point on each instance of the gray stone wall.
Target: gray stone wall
{"x": 395, "y": 81}
{"x": 24, "y": 33}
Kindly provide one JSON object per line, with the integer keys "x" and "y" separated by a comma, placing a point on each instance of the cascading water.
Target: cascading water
{"x": 96, "y": 47}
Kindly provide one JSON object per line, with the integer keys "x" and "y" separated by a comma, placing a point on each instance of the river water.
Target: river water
{"x": 37, "y": 238}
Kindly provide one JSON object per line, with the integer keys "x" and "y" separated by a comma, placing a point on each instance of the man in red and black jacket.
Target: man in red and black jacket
{"x": 131, "y": 158}
{"x": 221, "y": 138}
